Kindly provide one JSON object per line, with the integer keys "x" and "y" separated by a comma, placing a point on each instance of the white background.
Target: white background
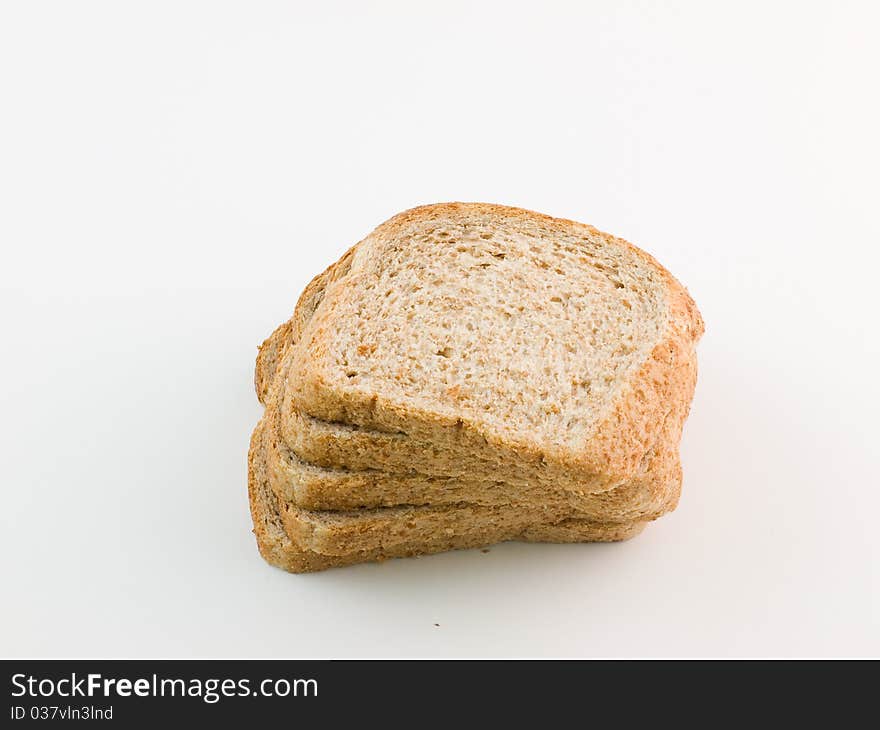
{"x": 172, "y": 174}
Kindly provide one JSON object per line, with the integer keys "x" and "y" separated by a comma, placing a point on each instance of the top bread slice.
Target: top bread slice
{"x": 540, "y": 343}
{"x": 312, "y": 486}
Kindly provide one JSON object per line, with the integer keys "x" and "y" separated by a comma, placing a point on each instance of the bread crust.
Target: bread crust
{"x": 274, "y": 347}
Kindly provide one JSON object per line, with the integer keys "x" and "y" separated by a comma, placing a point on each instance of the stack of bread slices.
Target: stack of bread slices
{"x": 469, "y": 374}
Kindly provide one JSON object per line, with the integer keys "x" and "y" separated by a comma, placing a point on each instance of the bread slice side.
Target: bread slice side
{"x": 344, "y": 532}
{"x": 359, "y": 361}
{"x": 652, "y": 494}
{"x": 273, "y": 349}
{"x": 279, "y": 550}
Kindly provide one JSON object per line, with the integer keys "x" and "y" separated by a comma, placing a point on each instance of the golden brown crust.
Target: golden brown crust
{"x": 274, "y": 347}
{"x": 667, "y": 377}
{"x": 270, "y": 354}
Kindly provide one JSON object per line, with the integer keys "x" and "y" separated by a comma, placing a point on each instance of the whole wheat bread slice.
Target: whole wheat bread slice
{"x": 547, "y": 348}
{"x": 314, "y": 487}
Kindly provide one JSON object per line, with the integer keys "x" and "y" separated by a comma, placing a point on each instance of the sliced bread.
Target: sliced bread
{"x": 333, "y": 465}
{"x": 547, "y": 348}
{"x": 308, "y": 486}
